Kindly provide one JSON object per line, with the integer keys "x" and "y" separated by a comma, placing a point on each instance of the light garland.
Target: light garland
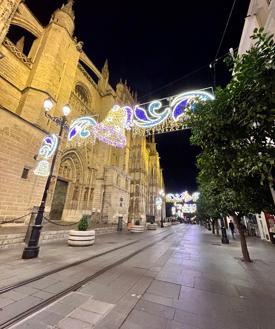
{"x": 144, "y": 117}
{"x": 182, "y": 197}
{"x": 46, "y": 151}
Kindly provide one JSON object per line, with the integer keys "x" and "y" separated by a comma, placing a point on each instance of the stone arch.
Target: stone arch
{"x": 72, "y": 167}
{"x": 83, "y": 93}
{"x": 25, "y": 19}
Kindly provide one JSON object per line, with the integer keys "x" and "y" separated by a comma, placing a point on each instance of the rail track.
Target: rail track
{"x": 39, "y": 306}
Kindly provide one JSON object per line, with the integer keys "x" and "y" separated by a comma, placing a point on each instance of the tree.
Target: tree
{"x": 236, "y": 134}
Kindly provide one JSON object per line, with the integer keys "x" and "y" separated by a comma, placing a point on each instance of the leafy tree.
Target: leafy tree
{"x": 236, "y": 134}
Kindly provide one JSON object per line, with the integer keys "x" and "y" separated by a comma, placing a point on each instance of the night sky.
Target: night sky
{"x": 155, "y": 47}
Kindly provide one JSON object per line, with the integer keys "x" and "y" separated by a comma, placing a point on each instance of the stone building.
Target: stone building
{"x": 261, "y": 14}
{"x": 91, "y": 178}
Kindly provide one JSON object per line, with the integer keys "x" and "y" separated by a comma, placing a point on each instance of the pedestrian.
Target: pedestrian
{"x": 232, "y": 228}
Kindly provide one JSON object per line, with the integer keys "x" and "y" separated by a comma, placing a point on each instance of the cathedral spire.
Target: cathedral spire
{"x": 68, "y": 8}
{"x": 105, "y": 70}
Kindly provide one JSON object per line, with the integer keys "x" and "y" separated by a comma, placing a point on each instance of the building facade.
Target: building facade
{"x": 261, "y": 14}
{"x": 89, "y": 178}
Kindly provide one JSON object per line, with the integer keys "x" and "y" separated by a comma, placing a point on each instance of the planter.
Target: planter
{"x": 166, "y": 224}
{"x": 137, "y": 228}
{"x": 152, "y": 226}
{"x": 175, "y": 223}
{"x": 81, "y": 238}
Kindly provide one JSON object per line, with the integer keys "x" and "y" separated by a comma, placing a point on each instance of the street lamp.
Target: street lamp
{"x": 31, "y": 249}
{"x": 159, "y": 207}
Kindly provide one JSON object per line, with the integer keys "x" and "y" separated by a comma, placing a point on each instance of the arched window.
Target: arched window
{"x": 83, "y": 93}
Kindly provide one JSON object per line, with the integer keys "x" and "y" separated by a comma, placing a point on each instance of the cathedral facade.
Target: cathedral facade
{"x": 89, "y": 178}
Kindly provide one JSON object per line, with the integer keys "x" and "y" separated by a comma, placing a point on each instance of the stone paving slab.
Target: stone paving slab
{"x": 188, "y": 281}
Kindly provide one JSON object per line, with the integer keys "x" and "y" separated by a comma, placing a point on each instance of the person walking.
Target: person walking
{"x": 232, "y": 228}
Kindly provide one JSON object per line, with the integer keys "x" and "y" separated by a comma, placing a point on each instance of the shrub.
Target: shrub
{"x": 83, "y": 224}
{"x": 137, "y": 222}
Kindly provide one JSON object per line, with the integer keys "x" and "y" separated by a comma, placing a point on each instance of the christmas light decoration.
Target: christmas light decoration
{"x": 46, "y": 151}
{"x": 156, "y": 113}
{"x": 81, "y": 128}
{"x": 112, "y": 129}
{"x": 158, "y": 202}
{"x": 182, "y": 197}
{"x": 186, "y": 100}
{"x": 153, "y": 118}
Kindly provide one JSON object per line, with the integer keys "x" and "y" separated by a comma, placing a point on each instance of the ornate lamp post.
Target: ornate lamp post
{"x": 31, "y": 249}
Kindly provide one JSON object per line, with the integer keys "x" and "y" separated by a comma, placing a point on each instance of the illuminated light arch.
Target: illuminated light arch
{"x": 158, "y": 116}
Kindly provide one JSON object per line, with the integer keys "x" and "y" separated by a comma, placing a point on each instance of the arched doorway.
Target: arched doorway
{"x": 68, "y": 188}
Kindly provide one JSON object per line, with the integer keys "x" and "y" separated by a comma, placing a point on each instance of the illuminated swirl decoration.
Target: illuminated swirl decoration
{"x": 48, "y": 146}
{"x": 81, "y": 128}
{"x": 46, "y": 151}
{"x": 152, "y": 116}
{"x": 182, "y": 197}
{"x": 112, "y": 129}
{"x": 186, "y": 100}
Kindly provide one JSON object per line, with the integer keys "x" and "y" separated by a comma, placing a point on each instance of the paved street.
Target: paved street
{"x": 187, "y": 280}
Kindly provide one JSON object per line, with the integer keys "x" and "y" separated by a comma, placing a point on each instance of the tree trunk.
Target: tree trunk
{"x": 217, "y": 228}
{"x": 272, "y": 191}
{"x": 213, "y": 226}
{"x": 246, "y": 257}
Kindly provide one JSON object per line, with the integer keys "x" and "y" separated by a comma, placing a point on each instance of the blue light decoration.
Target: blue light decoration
{"x": 150, "y": 115}
{"x": 187, "y": 100}
{"x": 80, "y": 127}
{"x": 46, "y": 151}
{"x": 154, "y": 116}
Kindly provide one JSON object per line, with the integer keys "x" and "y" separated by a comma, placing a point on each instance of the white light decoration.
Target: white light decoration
{"x": 189, "y": 208}
{"x": 173, "y": 210}
{"x": 42, "y": 169}
{"x": 46, "y": 151}
{"x": 182, "y": 197}
{"x": 158, "y": 202}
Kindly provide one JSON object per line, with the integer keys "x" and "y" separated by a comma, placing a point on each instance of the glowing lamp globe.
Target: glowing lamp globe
{"x": 48, "y": 104}
{"x": 66, "y": 110}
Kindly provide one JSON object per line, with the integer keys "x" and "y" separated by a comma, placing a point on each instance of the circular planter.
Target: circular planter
{"x": 137, "y": 228}
{"x": 152, "y": 226}
{"x": 81, "y": 238}
{"x": 165, "y": 224}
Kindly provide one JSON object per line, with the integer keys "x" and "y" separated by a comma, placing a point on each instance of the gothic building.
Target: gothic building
{"x": 89, "y": 178}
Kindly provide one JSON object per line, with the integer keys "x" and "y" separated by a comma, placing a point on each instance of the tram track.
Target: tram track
{"x": 64, "y": 267}
{"x": 47, "y": 302}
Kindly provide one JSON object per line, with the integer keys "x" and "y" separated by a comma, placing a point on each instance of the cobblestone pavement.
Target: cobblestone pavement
{"x": 187, "y": 281}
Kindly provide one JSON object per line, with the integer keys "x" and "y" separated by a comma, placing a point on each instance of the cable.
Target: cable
{"x": 174, "y": 81}
{"x": 225, "y": 29}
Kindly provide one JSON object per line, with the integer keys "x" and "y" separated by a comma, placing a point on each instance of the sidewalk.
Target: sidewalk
{"x": 187, "y": 281}
{"x": 56, "y": 254}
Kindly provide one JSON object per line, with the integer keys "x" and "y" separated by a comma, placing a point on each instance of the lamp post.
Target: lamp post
{"x": 162, "y": 194}
{"x": 31, "y": 249}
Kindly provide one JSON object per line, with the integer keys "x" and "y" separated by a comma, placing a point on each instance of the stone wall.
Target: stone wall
{"x": 20, "y": 142}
